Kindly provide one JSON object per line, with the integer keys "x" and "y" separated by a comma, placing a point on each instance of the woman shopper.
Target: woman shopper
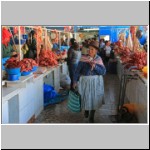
{"x": 90, "y": 86}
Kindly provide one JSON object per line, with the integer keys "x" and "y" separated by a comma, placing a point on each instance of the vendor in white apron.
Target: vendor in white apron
{"x": 91, "y": 87}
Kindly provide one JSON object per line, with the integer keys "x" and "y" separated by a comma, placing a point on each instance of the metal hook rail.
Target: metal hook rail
{"x": 126, "y": 77}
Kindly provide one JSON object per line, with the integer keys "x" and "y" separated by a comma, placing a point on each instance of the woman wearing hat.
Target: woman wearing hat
{"x": 90, "y": 86}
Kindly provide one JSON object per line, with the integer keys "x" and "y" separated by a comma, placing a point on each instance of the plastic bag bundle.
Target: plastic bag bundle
{"x": 6, "y": 36}
{"x": 65, "y": 81}
{"x": 49, "y": 93}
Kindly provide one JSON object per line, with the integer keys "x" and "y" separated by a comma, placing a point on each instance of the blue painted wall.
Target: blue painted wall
{"x": 111, "y": 31}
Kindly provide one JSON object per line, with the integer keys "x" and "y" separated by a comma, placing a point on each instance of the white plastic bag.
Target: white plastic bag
{"x": 65, "y": 81}
{"x": 129, "y": 42}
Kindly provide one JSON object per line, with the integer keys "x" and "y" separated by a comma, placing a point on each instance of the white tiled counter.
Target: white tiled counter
{"x": 24, "y": 99}
{"x": 119, "y": 68}
{"x": 136, "y": 92}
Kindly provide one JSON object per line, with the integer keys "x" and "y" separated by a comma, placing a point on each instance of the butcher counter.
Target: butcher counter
{"x": 23, "y": 101}
{"x": 136, "y": 93}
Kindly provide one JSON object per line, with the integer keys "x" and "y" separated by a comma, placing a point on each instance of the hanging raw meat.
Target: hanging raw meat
{"x": 15, "y": 30}
{"x": 133, "y": 32}
{"x": 122, "y": 38}
{"x": 27, "y": 64}
{"x": 39, "y": 32}
{"x": 138, "y": 59}
{"x": 136, "y": 44}
{"x": 11, "y": 63}
{"x": 22, "y": 30}
{"x": 48, "y": 58}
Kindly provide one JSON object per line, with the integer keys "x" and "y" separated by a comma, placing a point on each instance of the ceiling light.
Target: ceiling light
{"x": 94, "y": 29}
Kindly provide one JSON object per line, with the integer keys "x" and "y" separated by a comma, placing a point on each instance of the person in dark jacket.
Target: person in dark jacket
{"x": 69, "y": 55}
{"x": 74, "y": 60}
{"x": 32, "y": 45}
{"x": 63, "y": 43}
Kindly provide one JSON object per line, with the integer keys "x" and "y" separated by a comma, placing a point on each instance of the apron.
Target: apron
{"x": 91, "y": 89}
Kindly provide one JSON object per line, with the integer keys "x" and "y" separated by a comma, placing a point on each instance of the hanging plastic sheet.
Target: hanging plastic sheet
{"x": 129, "y": 42}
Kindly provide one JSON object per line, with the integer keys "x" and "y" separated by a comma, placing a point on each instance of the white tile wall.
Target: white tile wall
{"x": 137, "y": 93}
{"x": 64, "y": 68}
{"x": 26, "y": 113}
{"x": 30, "y": 99}
{"x": 39, "y": 97}
{"x": 57, "y": 79}
{"x": 26, "y": 96}
{"x": 5, "y": 115}
{"x": 49, "y": 79}
{"x": 13, "y": 109}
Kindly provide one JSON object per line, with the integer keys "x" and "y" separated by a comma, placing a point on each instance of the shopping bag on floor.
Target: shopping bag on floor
{"x": 74, "y": 101}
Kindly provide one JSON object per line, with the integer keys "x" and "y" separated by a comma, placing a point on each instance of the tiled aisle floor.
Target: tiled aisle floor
{"x": 59, "y": 113}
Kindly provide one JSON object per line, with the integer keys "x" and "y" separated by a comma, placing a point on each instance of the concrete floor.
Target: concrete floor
{"x": 60, "y": 114}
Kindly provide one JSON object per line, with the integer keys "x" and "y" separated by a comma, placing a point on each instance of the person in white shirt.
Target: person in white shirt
{"x": 102, "y": 44}
{"x": 107, "y": 49}
{"x": 107, "y": 52}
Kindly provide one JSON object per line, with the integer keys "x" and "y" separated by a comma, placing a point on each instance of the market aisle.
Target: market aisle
{"x": 59, "y": 114}
{"x": 111, "y": 83}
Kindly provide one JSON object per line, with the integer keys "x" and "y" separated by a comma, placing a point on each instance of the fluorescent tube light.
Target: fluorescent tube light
{"x": 91, "y": 29}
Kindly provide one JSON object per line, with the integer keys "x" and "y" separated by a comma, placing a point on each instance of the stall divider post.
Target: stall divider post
{"x": 19, "y": 35}
{"x": 59, "y": 36}
{"x": 45, "y": 38}
{"x": 37, "y": 47}
{"x": 68, "y": 38}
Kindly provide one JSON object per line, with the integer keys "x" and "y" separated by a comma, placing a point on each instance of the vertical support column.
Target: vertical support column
{"x": 38, "y": 51}
{"x": 19, "y": 35}
{"x": 64, "y": 68}
{"x": 68, "y": 38}
{"x": 39, "y": 97}
{"x": 59, "y": 39}
{"x": 5, "y": 113}
{"x": 46, "y": 38}
{"x": 75, "y": 35}
{"x": 57, "y": 78}
{"x": 13, "y": 107}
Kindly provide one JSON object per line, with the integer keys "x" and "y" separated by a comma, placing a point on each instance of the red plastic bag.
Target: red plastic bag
{"x": 6, "y": 35}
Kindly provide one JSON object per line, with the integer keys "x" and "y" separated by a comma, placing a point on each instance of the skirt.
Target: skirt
{"x": 91, "y": 89}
